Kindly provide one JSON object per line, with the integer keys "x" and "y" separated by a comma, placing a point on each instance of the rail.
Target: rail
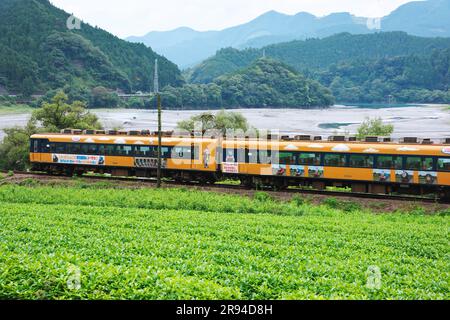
{"x": 221, "y": 185}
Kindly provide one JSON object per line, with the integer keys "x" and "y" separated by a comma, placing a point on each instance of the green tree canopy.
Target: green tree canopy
{"x": 14, "y": 149}
{"x": 53, "y": 117}
{"x": 60, "y": 115}
{"x": 222, "y": 121}
{"x": 374, "y": 127}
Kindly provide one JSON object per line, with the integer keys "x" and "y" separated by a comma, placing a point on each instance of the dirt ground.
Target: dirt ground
{"x": 375, "y": 205}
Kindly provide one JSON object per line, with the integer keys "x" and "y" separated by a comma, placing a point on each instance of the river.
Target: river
{"x": 424, "y": 121}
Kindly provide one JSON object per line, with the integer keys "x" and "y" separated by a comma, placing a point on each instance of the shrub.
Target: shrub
{"x": 262, "y": 196}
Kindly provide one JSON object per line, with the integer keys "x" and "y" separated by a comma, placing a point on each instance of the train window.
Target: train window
{"x": 287, "y": 158}
{"x": 229, "y": 155}
{"x": 252, "y": 156}
{"x": 43, "y": 146}
{"x": 165, "y": 152}
{"x": 413, "y": 163}
{"x": 51, "y": 147}
{"x": 241, "y": 155}
{"x": 127, "y": 150}
{"x": 124, "y": 150}
{"x": 60, "y": 148}
{"x": 264, "y": 156}
{"x": 182, "y": 153}
{"x": 312, "y": 159}
{"x": 361, "y": 161}
{"x": 142, "y": 151}
{"x": 85, "y": 149}
{"x": 427, "y": 164}
{"x": 334, "y": 160}
{"x": 101, "y": 149}
{"x": 109, "y": 150}
{"x": 389, "y": 162}
{"x": 75, "y": 148}
{"x": 118, "y": 151}
{"x": 35, "y": 146}
{"x": 444, "y": 164}
{"x": 155, "y": 152}
{"x": 93, "y": 149}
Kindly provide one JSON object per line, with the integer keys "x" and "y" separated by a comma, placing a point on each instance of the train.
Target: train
{"x": 377, "y": 165}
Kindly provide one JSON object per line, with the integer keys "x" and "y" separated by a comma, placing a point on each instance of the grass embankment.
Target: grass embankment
{"x": 180, "y": 244}
{"x": 15, "y": 108}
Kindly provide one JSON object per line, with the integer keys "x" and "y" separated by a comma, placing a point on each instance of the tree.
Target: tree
{"x": 102, "y": 98}
{"x": 16, "y": 146}
{"x": 222, "y": 121}
{"x": 27, "y": 87}
{"x": 60, "y": 115}
{"x": 374, "y": 127}
{"x": 53, "y": 117}
{"x": 230, "y": 120}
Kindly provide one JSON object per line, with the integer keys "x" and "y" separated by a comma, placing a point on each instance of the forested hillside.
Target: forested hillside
{"x": 265, "y": 83}
{"x": 411, "y": 78}
{"x": 358, "y": 68}
{"x": 38, "y": 53}
{"x": 316, "y": 54}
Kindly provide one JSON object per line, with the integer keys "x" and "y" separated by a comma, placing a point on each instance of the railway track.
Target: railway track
{"x": 219, "y": 185}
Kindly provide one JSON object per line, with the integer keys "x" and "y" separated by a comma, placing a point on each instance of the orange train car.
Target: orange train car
{"x": 184, "y": 159}
{"x": 370, "y": 167}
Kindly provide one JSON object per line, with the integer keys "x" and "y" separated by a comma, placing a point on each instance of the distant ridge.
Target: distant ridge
{"x": 188, "y": 47}
{"x": 314, "y": 54}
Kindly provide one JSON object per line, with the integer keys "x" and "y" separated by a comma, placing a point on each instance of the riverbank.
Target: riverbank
{"x": 423, "y": 121}
{"x": 15, "y": 109}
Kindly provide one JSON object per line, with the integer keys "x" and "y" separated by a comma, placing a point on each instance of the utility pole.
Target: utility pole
{"x": 158, "y": 101}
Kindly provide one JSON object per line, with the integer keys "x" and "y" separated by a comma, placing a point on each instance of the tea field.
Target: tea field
{"x": 106, "y": 243}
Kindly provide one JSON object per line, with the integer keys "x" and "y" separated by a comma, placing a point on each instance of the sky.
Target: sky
{"x": 137, "y": 17}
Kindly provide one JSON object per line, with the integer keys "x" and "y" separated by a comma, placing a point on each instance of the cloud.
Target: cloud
{"x": 291, "y": 147}
{"x": 407, "y": 149}
{"x": 316, "y": 146}
{"x": 139, "y": 142}
{"x": 371, "y": 150}
{"x": 120, "y": 141}
{"x": 76, "y": 138}
{"x": 341, "y": 148}
{"x": 89, "y": 140}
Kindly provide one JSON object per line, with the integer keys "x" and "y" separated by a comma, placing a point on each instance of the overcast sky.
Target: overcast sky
{"x": 137, "y": 17}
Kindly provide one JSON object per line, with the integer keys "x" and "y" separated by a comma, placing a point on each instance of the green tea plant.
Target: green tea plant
{"x": 90, "y": 243}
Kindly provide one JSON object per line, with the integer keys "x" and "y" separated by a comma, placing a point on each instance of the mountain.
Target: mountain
{"x": 270, "y": 83}
{"x": 264, "y": 83}
{"x": 38, "y": 52}
{"x": 405, "y": 79}
{"x": 356, "y": 68}
{"x": 423, "y": 18}
{"x": 316, "y": 54}
{"x": 187, "y": 47}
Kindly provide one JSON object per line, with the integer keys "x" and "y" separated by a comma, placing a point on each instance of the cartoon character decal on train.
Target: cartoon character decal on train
{"x": 381, "y": 175}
